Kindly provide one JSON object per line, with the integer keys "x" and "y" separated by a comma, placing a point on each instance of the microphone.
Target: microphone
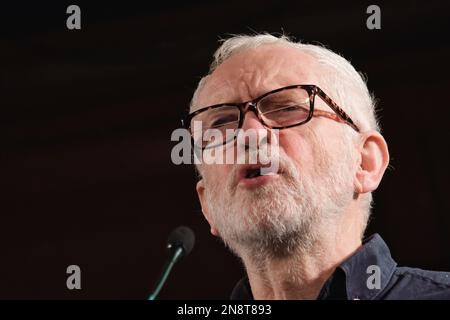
{"x": 180, "y": 244}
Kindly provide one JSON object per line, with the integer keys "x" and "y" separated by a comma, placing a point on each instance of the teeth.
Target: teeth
{"x": 269, "y": 171}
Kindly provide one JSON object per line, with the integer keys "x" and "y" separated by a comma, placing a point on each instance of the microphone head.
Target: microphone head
{"x": 181, "y": 237}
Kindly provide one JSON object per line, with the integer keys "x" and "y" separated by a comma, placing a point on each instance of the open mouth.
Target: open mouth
{"x": 256, "y": 175}
{"x": 253, "y": 173}
{"x": 257, "y": 171}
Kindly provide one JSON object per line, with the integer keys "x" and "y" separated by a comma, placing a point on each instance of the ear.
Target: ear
{"x": 373, "y": 161}
{"x": 201, "y": 196}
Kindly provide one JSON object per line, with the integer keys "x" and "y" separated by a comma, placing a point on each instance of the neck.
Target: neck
{"x": 302, "y": 274}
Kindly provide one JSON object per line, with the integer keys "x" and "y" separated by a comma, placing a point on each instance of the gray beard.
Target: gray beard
{"x": 282, "y": 218}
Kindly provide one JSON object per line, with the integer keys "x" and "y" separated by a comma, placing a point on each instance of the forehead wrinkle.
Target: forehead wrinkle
{"x": 213, "y": 92}
{"x": 249, "y": 74}
{"x": 230, "y": 85}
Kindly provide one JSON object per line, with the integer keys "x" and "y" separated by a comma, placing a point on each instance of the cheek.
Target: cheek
{"x": 298, "y": 148}
{"x": 217, "y": 173}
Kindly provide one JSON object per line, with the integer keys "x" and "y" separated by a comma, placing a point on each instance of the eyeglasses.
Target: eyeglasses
{"x": 278, "y": 109}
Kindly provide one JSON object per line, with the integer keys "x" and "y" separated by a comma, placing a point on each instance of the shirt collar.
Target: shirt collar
{"x": 356, "y": 278}
{"x": 371, "y": 262}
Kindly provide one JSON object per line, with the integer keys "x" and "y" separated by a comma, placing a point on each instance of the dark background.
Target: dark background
{"x": 86, "y": 117}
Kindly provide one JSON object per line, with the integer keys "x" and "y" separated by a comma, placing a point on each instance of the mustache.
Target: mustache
{"x": 286, "y": 169}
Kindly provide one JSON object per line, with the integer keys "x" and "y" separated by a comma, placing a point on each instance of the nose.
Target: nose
{"x": 251, "y": 120}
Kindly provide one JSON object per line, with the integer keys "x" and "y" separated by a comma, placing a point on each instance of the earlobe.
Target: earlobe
{"x": 373, "y": 161}
{"x": 205, "y": 210}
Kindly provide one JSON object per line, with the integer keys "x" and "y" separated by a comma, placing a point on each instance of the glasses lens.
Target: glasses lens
{"x": 215, "y": 126}
{"x": 285, "y": 108}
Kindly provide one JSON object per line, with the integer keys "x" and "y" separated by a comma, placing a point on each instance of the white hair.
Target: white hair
{"x": 339, "y": 80}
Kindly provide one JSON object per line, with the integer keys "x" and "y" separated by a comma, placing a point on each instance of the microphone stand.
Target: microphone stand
{"x": 166, "y": 270}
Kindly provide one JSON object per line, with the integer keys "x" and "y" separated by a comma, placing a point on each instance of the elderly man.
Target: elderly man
{"x": 299, "y": 230}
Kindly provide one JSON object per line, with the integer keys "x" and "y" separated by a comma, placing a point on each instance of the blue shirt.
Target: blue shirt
{"x": 372, "y": 274}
